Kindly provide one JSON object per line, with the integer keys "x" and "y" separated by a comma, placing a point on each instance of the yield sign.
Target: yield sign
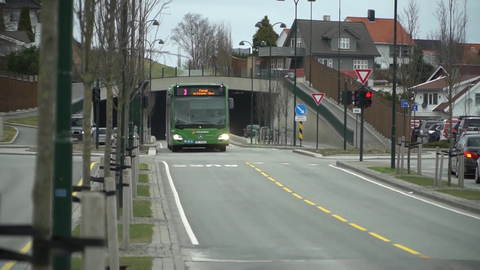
{"x": 317, "y": 97}
{"x": 363, "y": 74}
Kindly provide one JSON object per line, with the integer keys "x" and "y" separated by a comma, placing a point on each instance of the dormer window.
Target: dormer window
{"x": 299, "y": 43}
{"x": 344, "y": 43}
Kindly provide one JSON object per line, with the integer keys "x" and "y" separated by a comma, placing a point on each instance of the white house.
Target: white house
{"x": 282, "y": 37}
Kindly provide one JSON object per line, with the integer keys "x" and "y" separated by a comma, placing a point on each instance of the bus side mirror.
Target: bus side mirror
{"x": 230, "y": 103}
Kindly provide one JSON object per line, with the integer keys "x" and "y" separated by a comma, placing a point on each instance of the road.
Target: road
{"x": 16, "y": 183}
{"x": 26, "y": 136}
{"x": 274, "y": 209}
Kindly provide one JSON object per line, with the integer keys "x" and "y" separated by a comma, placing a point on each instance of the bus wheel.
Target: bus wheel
{"x": 222, "y": 148}
{"x": 174, "y": 148}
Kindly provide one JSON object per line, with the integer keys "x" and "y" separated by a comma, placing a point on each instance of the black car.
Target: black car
{"x": 469, "y": 145}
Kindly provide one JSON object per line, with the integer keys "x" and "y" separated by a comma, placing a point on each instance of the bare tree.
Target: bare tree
{"x": 451, "y": 33}
{"x": 261, "y": 103}
{"x": 285, "y": 98}
{"x": 42, "y": 189}
{"x": 224, "y": 45}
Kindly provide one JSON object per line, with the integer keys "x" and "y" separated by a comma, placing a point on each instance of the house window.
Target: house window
{"x": 326, "y": 62}
{"x": 272, "y": 64}
{"x": 344, "y": 43}
{"x": 14, "y": 16}
{"x": 292, "y": 42}
{"x": 299, "y": 42}
{"x": 477, "y": 99}
{"x": 360, "y": 64}
{"x": 279, "y": 63}
{"x": 430, "y": 99}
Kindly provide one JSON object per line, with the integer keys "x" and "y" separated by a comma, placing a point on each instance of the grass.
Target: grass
{"x": 332, "y": 152}
{"x": 143, "y": 178}
{"x": 8, "y": 134}
{"x": 157, "y": 70}
{"x": 389, "y": 170}
{"x": 140, "y": 209}
{"x": 143, "y": 191}
{"x": 414, "y": 179}
{"x": 30, "y": 120}
{"x": 133, "y": 263}
{"x": 465, "y": 194}
{"x": 143, "y": 167}
{"x": 139, "y": 233}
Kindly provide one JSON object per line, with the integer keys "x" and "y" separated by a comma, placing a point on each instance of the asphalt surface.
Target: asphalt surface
{"x": 16, "y": 183}
{"x": 26, "y": 136}
{"x": 307, "y": 215}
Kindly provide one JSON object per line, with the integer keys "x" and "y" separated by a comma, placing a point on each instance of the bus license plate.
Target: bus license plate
{"x": 200, "y": 142}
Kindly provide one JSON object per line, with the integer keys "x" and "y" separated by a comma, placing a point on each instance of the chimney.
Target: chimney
{"x": 371, "y": 15}
{"x": 326, "y": 18}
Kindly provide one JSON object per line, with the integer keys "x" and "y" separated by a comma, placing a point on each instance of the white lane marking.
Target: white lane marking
{"x": 259, "y": 162}
{"x": 180, "y": 166}
{"x": 207, "y": 166}
{"x": 197, "y": 166}
{"x": 189, "y": 230}
{"x": 213, "y": 165}
{"x": 312, "y": 164}
{"x": 231, "y": 166}
{"x": 405, "y": 194}
{"x": 285, "y": 163}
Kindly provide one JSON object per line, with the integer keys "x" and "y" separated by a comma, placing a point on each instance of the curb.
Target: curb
{"x": 13, "y": 139}
{"x": 19, "y": 112}
{"x": 279, "y": 147}
{"x": 19, "y": 125}
{"x": 307, "y": 153}
{"x": 34, "y": 153}
{"x": 448, "y": 199}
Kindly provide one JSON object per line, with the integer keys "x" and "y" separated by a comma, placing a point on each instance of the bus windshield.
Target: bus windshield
{"x": 200, "y": 111}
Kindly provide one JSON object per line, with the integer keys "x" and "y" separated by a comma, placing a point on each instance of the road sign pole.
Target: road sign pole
{"x": 362, "y": 116}
{"x": 345, "y": 98}
{"x": 317, "y": 128}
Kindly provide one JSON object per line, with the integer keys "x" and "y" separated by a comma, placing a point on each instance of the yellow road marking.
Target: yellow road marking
{"x": 252, "y": 166}
{"x": 339, "y": 218}
{"x": 264, "y": 174}
{"x": 357, "y": 227}
{"x": 379, "y": 237}
{"x": 287, "y": 189}
{"x": 271, "y": 179}
{"x": 279, "y": 184}
{"x": 323, "y": 209}
{"x": 309, "y": 202}
{"x": 258, "y": 169}
{"x": 424, "y": 257}
{"x": 28, "y": 246}
{"x": 407, "y": 249}
{"x": 298, "y": 196}
{"x": 248, "y": 163}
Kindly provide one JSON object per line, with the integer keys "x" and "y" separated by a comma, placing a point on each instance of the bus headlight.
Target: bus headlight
{"x": 224, "y": 137}
{"x": 177, "y": 137}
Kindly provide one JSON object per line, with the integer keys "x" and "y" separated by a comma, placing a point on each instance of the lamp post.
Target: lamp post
{"x": 295, "y": 73}
{"x": 311, "y": 58}
{"x": 262, "y": 44}
{"x": 150, "y": 44}
{"x": 394, "y": 88}
{"x": 258, "y": 25}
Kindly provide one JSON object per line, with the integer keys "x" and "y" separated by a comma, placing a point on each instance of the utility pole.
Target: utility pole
{"x": 131, "y": 97}
{"x": 62, "y": 176}
{"x": 121, "y": 125}
{"x": 394, "y": 88}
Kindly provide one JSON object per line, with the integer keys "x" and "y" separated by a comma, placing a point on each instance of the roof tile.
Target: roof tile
{"x": 381, "y": 30}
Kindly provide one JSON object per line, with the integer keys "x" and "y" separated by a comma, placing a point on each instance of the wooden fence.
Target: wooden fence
{"x": 17, "y": 92}
{"x": 379, "y": 115}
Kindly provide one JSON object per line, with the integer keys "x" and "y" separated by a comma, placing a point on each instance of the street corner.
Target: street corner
{"x": 10, "y": 134}
{"x": 411, "y": 185}
{"x": 307, "y": 153}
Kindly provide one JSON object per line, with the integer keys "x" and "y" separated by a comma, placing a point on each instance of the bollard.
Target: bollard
{"x": 440, "y": 171}
{"x": 437, "y": 153}
{"x": 419, "y": 157}
{"x": 126, "y": 210}
{"x": 111, "y": 207}
{"x": 461, "y": 170}
{"x": 102, "y": 171}
{"x": 402, "y": 150}
{"x": 93, "y": 226}
{"x": 128, "y": 162}
{"x": 134, "y": 169}
{"x": 398, "y": 154}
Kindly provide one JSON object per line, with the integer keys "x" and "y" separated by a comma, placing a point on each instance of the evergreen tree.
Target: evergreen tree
{"x": 24, "y": 24}
{"x": 264, "y": 33}
{"x": 2, "y": 21}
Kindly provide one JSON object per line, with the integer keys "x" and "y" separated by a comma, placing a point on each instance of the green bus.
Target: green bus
{"x": 197, "y": 115}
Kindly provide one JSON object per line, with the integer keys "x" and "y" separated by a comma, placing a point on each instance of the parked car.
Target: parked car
{"x": 467, "y": 123}
{"x": 469, "y": 145}
{"x": 250, "y": 130}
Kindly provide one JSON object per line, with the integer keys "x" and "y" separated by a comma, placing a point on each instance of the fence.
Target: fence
{"x": 17, "y": 92}
{"x": 379, "y": 115}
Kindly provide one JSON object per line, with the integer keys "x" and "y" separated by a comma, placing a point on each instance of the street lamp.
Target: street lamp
{"x": 155, "y": 22}
{"x": 295, "y": 73}
{"x": 161, "y": 42}
{"x": 258, "y": 25}
{"x": 311, "y": 38}
{"x": 394, "y": 88}
{"x": 262, "y": 44}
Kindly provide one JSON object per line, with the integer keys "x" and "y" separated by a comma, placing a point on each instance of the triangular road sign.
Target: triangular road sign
{"x": 317, "y": 97}
{"x": 363, "y": 74}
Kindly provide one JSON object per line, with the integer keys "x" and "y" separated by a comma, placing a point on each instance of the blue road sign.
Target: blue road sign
{"x": 300, "y": 110}
{"x": 414, "y": 108}
{"x": 404, "y": 103}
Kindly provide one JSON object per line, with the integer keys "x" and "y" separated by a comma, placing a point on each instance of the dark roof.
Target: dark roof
{"x": 18, "y": 35}
{"x": 428, "y": 44}
{"x": 322, "y": 29}
{"x": 18, "y": 4}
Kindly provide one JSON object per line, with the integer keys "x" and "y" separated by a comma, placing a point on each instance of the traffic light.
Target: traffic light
{"x": 367, "y": 100}
{"x": 96, "y": 94}
{"x": 347, "y": 97}
{"x": 357, "y": 98}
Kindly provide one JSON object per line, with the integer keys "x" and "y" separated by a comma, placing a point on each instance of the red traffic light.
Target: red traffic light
{"x": 368, "y": 95}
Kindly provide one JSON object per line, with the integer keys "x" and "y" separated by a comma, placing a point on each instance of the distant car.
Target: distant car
{"x": 250, "y": 131}
{"x": 469, "y": 145}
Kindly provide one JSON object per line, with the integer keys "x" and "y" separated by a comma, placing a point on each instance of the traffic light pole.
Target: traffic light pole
{"x": 317, "y": 125}
{"x": 362, "y": 117}
{"x": 345, "y": 98}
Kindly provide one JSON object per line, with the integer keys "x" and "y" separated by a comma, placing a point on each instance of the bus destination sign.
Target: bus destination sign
{"x": 199, "y": 91}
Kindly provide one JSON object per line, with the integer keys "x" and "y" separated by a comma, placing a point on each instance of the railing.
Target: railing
{"x": 170, "y": 72}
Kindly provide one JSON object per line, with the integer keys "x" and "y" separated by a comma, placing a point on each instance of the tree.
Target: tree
{"x": 264, "y": 33}
{"x": 24, "y": 23}
{"x": 24, "y": 61}
{"x": 42, "y": 188}
{"x": 451, "y": 34}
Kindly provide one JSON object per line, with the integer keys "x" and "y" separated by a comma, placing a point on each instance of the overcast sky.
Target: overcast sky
{"x": 243, "y": 14}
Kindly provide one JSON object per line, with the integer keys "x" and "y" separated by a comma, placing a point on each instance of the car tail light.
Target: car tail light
{"x": 463, "y": 130}
{"x": 470, "y": 155}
